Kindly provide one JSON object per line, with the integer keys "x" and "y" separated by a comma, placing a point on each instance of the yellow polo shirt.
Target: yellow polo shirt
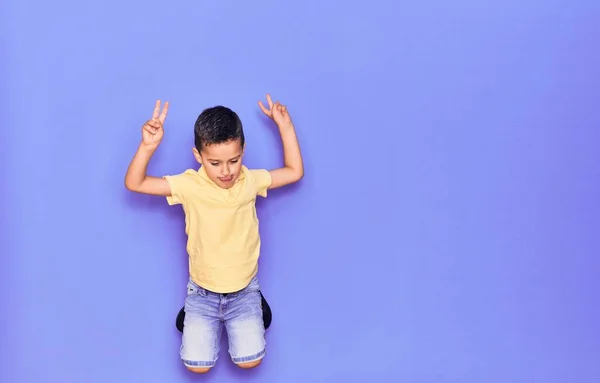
{"x": 222, "y": 226}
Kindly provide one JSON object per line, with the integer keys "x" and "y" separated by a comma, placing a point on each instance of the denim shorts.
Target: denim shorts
{"x": 206, "y": 313}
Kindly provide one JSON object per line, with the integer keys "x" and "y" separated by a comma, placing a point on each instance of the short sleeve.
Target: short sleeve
{"x": 179, "y": 184}
{"x": 262, "y": 181}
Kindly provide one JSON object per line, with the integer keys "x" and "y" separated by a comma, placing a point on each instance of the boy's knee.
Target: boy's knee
{"x": 247, "y": 365}
{"x": 199, "y": 370}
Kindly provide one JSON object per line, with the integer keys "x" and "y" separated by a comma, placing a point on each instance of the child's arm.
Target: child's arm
{"x": 136, "y": 179}
{"x": 293, "y": 169}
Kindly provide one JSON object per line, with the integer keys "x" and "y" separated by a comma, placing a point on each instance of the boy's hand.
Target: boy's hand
{"x": 277, "y": 112}
{"x": 152, "y": 131}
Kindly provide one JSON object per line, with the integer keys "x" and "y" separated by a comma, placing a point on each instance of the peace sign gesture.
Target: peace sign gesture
{"x": 277, "y": 112}
{"x": 152, "y": 131}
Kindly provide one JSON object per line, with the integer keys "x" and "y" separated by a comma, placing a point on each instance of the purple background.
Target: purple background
{"x": 445, "y": 231}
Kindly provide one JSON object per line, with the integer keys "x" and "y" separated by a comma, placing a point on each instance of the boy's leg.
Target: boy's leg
{"x": 245, "y": 326}
{"x": 202, "y": 330}
{"x": 267, "y": 315}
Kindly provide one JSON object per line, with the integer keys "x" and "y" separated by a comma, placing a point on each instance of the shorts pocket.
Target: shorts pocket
{"x": 194, "y": 289}
{"x": 253, "y": 286}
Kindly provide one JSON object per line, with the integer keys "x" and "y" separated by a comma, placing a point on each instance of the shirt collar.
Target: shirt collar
{"x": 204, "y": 176}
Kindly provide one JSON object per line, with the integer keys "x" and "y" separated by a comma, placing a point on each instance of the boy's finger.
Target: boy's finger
{"x": 150, "y": 130}
{"x": 163, "y": 115}
{"x": 153, "y": 123}
{"x": 269, "y": 101}
{"x": 156, "y": 110}
{"x": 262, "y": 107}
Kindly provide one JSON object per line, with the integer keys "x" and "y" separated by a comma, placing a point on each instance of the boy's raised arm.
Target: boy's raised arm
{"x": 293, "y": 169}
{"x": 136, "y": 178}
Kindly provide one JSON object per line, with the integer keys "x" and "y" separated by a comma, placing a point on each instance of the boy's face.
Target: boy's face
{"x": 222, "y": 162}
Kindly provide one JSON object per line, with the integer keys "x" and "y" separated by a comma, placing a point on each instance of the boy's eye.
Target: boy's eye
{"x": 214, "y": 163}
{"x": 234, "y": 161}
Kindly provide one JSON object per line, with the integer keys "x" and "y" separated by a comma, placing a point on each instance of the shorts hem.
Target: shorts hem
{"x": 251, "y": 358}
{"x": 193, "y": 363}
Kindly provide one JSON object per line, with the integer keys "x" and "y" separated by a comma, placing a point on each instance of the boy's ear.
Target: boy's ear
{"x": 197, "y": 155}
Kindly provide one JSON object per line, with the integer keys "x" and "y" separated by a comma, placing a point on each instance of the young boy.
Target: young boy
{"x": 222, "y": 228}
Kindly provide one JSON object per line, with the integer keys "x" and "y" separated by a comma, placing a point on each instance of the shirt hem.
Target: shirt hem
{"x": 224, "y": 290}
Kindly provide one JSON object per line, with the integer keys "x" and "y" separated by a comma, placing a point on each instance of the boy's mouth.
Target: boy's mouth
{"x": 226, "y": 179}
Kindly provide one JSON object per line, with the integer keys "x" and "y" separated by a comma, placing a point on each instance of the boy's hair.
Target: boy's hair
{"x": 217, "y": 125}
